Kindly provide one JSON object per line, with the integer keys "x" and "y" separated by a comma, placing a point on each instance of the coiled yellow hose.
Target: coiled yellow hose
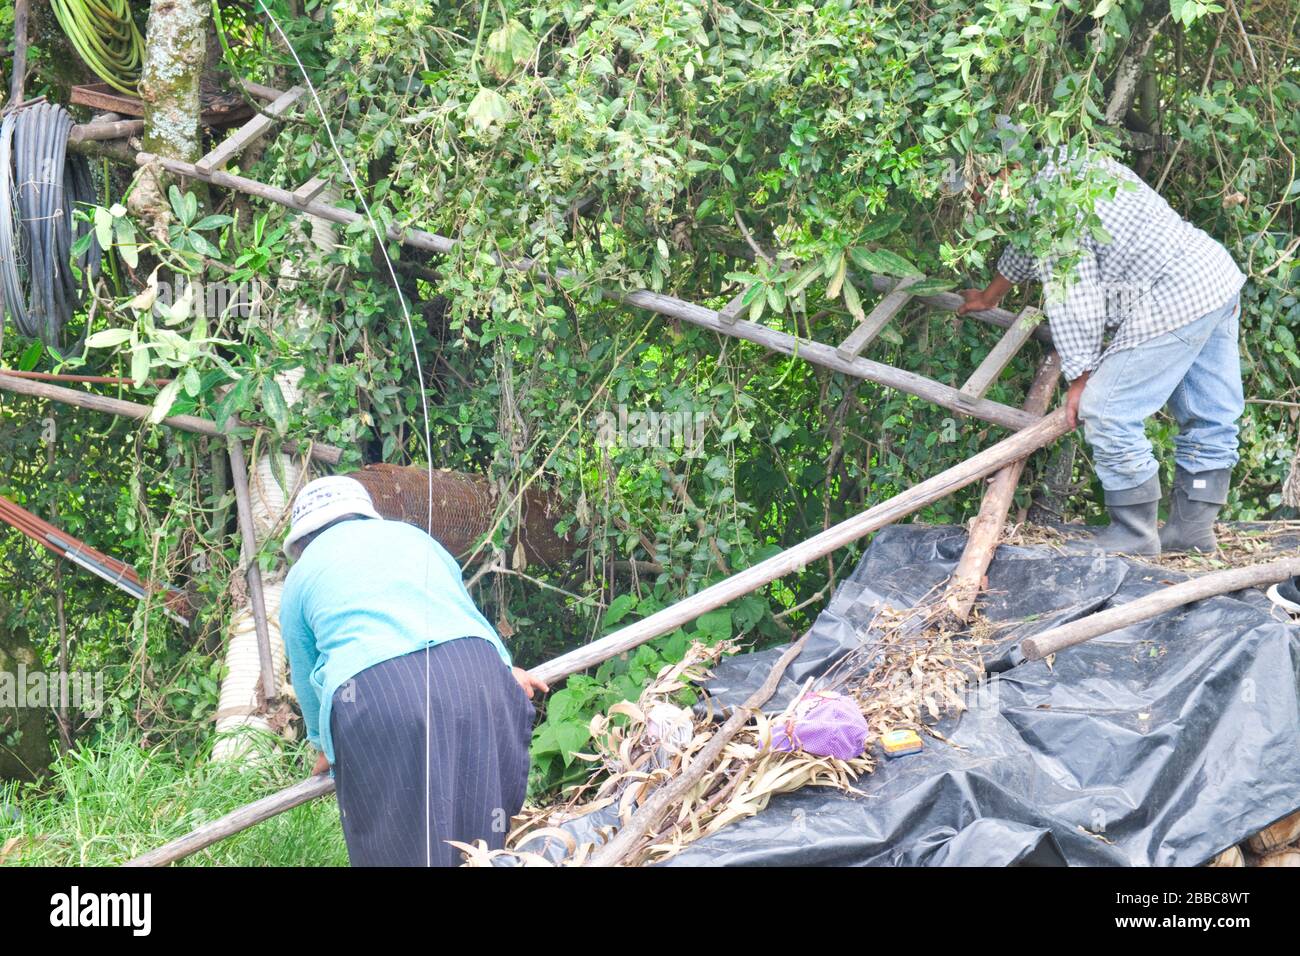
{"x": 105, "y": 37}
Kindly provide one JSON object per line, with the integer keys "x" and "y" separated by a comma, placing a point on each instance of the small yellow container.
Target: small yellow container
{"x": 899, "y": 743}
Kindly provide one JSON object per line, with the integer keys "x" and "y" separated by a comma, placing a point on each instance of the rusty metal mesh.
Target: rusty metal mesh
{"x": 464, "y": 508}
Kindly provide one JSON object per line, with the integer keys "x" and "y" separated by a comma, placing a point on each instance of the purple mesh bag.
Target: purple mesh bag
{"x": 826, "y": 724}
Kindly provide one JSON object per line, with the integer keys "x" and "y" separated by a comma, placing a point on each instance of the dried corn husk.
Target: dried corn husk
{"x": 909, "y": 672}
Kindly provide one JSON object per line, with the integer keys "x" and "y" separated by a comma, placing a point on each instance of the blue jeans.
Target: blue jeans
{"x": 1196, "y": 370}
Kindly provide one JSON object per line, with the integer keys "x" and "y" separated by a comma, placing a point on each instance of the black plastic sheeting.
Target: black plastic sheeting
{"x": 1160, "y": 744}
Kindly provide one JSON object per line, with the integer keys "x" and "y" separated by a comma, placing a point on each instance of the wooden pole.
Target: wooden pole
{"x": 116, "y": 406}
{"x": 100, "y": 131}
{"x": 982, "y": 542}
{"x": 252, "y": 571}
{"x": 234, "y": 822}
{"x": 1157, "y": 602}
{"x": 668, "y": 794}
{"x": 18, "y": 78}
{"x": 816, "y": 353}
{"x": 1010, "y": 449}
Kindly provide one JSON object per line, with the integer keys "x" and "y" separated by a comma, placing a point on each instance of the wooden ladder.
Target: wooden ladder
{"x": 846, "y": 358}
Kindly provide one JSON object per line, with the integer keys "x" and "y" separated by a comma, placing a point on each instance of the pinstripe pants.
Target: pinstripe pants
{"x": 429, "y": 747}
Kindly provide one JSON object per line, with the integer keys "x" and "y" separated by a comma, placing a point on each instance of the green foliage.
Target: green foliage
{"x": 779, "y": 151}
{"x": 106, "y": 804}
{"x": 565, "y": 729}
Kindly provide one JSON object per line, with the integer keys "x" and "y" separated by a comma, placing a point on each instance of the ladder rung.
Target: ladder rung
{"x": 998, "y": 359}
{"x": 246, "y": 135}
{"x": 309, "y": 190}
{"x": 870, "y": 327}
{"x": 731, "y": 311}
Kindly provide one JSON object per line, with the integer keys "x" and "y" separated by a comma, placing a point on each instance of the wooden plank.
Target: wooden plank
{"x": 951, "y": 302}
{"x": 997, "y": 360}
{"x": 249, "y": 133}
{"x": 814, "y": 353}
{"x": 731, "y": 311}
{"x": 309, "y": 190}
{"x": 1148, "y": 606}
{"x": 968, "y": 577}
{"x": 870, "y": 327}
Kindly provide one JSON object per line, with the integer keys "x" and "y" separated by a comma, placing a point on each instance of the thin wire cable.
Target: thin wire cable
{"x": 382, "y": 241}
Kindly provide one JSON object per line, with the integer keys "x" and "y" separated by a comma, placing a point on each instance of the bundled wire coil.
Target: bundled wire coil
{"x": 40, "y": 187}
{"x": 104, "y": 35}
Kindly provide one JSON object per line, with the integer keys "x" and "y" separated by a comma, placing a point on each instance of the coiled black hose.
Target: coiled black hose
{"x": 40, "y": 187}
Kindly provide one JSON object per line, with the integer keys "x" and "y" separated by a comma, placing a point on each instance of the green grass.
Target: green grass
{"x": 103, "y": 805}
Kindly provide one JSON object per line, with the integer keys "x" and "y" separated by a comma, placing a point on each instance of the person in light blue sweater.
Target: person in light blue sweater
{"x": 405, "y": 688}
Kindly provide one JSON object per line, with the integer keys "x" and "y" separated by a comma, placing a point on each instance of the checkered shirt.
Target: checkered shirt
{"x": 1157, "y": 273}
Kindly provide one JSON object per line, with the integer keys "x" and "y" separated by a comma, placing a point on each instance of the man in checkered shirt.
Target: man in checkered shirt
{"x": 1146, "y": 317}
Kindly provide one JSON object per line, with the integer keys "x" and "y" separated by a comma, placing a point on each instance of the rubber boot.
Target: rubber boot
{"x": 1193, "y": 507}
{"x": 1133, "y": 518}
{"x": 1286, "y": 595}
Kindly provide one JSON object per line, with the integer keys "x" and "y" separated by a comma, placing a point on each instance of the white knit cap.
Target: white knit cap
{"x": 325, "y": 500}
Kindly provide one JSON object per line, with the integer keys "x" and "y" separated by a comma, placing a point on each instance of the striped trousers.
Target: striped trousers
{"x": 429, "y": 747}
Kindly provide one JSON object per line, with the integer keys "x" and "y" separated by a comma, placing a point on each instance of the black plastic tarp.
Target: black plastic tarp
{"x": 1159, "y": 744}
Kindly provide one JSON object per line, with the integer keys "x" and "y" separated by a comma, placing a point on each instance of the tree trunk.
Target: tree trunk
{"x": 175, "y": 51}
{"x": 24, "y": 730}
{"x": 1128, "y": 75}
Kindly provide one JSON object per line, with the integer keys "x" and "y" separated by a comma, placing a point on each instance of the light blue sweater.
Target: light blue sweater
{"x": 364, "y": 592}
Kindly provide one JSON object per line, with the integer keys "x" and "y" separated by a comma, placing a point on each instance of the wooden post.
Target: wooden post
{"x": 252, "y": 572}
{"x": 116, "y": 406}
{"x": 982, "y": 542}
{"x": 1157, "y": 602}
{"x": 19, "y": 76}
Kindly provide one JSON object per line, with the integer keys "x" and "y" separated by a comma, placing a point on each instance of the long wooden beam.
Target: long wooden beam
{"x": 815, "y": 353}
{"x": 982, "y": 541}
{"x": 241, "y": 819}
{"x": 1157, "y": 602}
{"x": 1012, "y": 448}
{"x": 252, "y": 570}
{"x": 1016, "y": 446}
{"x": 328, "y": 454}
